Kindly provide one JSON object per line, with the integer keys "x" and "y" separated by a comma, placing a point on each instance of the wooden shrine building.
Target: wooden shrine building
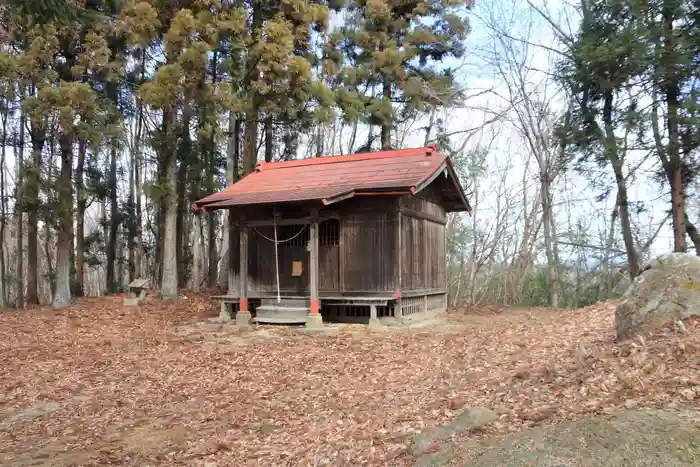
{"x": 358, "y": 237}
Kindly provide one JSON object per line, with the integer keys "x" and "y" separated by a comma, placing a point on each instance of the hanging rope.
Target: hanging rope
{"x": 277, "y": 260}
{"x": 280, "y": 241}
{"x": 276, "y": 242}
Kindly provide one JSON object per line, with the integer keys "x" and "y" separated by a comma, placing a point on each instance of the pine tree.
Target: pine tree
{"x": 394, "y": 49}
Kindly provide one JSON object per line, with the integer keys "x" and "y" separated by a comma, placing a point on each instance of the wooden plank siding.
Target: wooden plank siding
{"x": 423, "y": 242}
{"x": 368, "y": 251}
{"x": 376, "y": 245}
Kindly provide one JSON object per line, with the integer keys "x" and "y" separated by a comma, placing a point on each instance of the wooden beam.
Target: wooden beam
{"x": 337, "y": 199}
{"x": 313, "y": 262}
{"x": 423, "y": 215}
{"x": 292, "y": 221}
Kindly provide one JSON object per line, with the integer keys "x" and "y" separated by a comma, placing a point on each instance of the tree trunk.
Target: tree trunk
{"x": 33, "y": 202}
{"x": 138, "y": 247}
{"x": 671, "y": 90}
{"x": 131, "y": 227}
{"x": 169, "y": 281}
{"x": 661, "y": 152}
{"x": 268, "y": 139}
{"x": 62, "y": 295}
{"x": 4, "y": 286}
{"x": 250, "y": 149}
{"x": 549, "y": 240}
{"x": 233, "y": 155}
{"x": 105, "y": 230}
{"x": 114, "y": 219}
{"x": 138, "y": 257}
{"x": 19, "y": 158}
{"x": 197, "y": 252}
{"x": 181, "y": 237}
{"x": 186, "y": 158}
{"x": 386, "y": 126}
{"x": 212, "y": 258}
{"x": 80, "y": 221}
{"x": 163, "y": 164}
{"x": 611, "y": 152}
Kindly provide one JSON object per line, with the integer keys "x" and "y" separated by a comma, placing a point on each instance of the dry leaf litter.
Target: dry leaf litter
{"x": 158, "y": 384}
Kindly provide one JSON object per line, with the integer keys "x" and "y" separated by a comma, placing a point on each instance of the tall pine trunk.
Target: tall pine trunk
{"x": 131, "y": 230}
{"x": 210, "y": 170}
{"x": 161, "y": 201}
{"x": 232, "y": 158}
{"x": 671, "y": 91}
{"x": 114, "y": 219}
{"x": 138, "y": 259}
{"x": 80, "y": 221}
{"x": 4, "y": 286}
{"x": 185, "y": 153}
{"x": 250, "y": 143}
{"x": 692, "y": 231}
{"x": 32, "y": 197}
{"x": 19, "y": 189}
{"x": 386, "y": 125}
{"x": 269, "y": 140}
{"x": 62, "y": 294}
{"x": 197, "y": 252}
{"x": 169, "y": 273}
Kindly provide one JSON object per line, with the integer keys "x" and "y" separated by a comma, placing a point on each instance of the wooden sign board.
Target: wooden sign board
{"x": 296, "y": 268}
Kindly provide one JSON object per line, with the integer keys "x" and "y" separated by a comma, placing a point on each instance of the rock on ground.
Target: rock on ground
{"x": 641, "y": 438}
{"x": 667, "y": 291}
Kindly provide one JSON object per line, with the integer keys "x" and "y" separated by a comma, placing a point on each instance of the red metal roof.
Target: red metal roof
{"x": 330, "y": 179}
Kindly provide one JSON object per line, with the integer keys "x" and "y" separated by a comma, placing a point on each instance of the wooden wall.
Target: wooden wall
{"x": 261, "y": 259}
{"x": 423, "y": 243}
{"x": 368, "y": 249}
{"x": 358, "y": 248}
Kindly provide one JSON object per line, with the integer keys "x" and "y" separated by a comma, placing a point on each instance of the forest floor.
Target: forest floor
{"x": 159, "y": 384}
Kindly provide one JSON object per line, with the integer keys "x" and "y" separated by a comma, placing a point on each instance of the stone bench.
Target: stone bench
{"x": 227, "y": 306}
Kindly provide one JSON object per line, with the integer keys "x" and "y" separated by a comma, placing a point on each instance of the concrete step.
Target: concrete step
{"x": 281, "y": 314}
{"x": 294, "y": 302}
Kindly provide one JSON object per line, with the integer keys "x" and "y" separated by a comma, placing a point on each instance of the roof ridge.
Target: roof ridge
{"x": 339, "y": 158}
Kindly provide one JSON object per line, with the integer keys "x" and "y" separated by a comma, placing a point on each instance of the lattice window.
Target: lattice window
{"x": 329, "y": 232}
{"x": 293, "y": 236}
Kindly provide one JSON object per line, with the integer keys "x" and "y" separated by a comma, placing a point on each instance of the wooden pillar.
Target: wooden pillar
{"x": 313, "y": 262}
{"x": 314, "y": 319}
{"x": 398, "y": 264}
{"x": 243, "y": 315}
{"x": 233, "y": 259}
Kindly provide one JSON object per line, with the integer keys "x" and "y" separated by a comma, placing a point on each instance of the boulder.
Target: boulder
{"x": 637, "y": 438}
{"x": 668, "y": 290}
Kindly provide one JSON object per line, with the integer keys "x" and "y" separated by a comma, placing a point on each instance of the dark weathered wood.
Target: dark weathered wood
{"x": 234, "y": 247}
{"x": 367, "y": 254}
{"x": 398, "y": 255}
{"x": 329, "y": 255}
{"x": 313, "y": 263}
{"x": 244, "y": 265}
{"x": 389, "y": 248}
